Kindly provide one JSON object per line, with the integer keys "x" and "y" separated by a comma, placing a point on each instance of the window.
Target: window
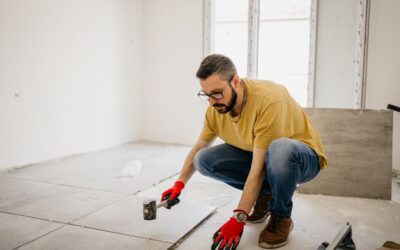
{"x": 282, "y": 45}
{"x": 230, "y": 31}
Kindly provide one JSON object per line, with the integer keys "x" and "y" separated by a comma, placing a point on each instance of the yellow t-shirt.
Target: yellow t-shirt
{"x": 269, "y": 113}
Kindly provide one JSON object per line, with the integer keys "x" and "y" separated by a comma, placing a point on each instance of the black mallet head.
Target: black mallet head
{"x": 150, "y": 207}
{"x": 149, "y": 210}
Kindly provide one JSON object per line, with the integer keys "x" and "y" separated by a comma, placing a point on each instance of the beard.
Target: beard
{"x": 229, "y": 107}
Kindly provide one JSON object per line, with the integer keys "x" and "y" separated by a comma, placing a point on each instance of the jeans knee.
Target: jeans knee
{"x": 280, "y": 152}
{"x": 200, "y": 161}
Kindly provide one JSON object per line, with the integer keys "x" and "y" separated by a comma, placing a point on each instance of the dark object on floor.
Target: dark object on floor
{"x": 342, "y": 241}
{"x": 389, "y": 245}
{"x": 150, "y": 207}
{"x": 149, "y": 210}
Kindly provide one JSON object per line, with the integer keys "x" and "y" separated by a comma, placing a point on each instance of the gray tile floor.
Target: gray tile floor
{"x": 94, "y": 201}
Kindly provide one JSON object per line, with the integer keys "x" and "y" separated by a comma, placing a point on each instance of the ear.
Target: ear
{"x": 236, "y": 81}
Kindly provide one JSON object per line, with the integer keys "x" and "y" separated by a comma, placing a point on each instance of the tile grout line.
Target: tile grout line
{"x": 32, "y": 217}
{"x": 76, "y": 225}
{"x": 52, "y": 231}
{"x": 93, "y": 189}
{"x": 155, "y": 184}
{"x": 61, "y": 184}
{"x": 192, "y": 230}
{"x": 166, "y": 178}
{"x": 63, "y": 224}
{"x": 184, "y": 237}
{"x": 130, "y": 235}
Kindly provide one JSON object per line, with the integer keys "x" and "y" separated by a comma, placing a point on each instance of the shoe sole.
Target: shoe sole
{"x": 268, "y": 246}
{"x": 259, "y": 220}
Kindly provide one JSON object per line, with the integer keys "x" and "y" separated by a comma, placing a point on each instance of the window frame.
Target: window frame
{"x": 360, "y": 62}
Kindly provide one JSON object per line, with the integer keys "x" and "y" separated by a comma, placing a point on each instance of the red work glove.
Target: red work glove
{"x": 228, "y": 236}
{"x": 172, "y": 194}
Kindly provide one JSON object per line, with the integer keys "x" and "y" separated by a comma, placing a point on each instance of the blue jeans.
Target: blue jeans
{"x": 287, "y": 161}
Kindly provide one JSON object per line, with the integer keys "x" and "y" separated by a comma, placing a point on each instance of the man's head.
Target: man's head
{"x": 216, "y": 73}
{"x": 216, "y": 64}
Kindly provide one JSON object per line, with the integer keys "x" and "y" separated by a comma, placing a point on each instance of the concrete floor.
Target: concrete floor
{"x": 94, "y": 201}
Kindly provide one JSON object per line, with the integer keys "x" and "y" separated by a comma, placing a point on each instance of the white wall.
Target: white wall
{"x": 336, "y": 44}
{"x": 383, "y": 75}
{"x": 173, "y": 49}
{"x": 76, "y": 66}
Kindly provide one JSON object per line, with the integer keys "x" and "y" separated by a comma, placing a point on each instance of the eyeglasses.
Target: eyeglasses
{"x": 216, "y": 95}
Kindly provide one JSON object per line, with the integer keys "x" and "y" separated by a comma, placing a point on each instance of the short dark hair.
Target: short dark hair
{"x": 216, "y": 64}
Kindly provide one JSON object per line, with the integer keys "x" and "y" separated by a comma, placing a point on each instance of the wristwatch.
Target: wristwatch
{"x": 240, "y": 216}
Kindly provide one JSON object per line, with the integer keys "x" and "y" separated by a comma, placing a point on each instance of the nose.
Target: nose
{"x": 212, "y": 101}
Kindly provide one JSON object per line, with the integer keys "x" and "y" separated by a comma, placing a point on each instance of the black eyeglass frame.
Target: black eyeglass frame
{"x": 216, "y": 95}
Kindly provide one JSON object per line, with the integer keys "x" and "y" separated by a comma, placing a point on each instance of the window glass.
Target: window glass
{"x": 283, "y": 43}
{"x": 231, "y": 31}
{"x": 283, "y": 46}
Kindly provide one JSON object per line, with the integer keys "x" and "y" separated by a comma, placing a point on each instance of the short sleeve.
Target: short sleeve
{"x": 207, "y": 132}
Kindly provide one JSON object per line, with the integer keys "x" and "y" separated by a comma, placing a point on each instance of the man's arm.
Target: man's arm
{"x": 187, "y": 171}
{"x": 188, "y": 168}
{"x": 228, "y": 236}
{"x": 254, "y": 181}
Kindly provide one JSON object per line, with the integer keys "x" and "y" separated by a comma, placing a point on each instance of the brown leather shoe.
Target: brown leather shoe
{"x": 260, "y": 209}
{"x": 276, "y": 233}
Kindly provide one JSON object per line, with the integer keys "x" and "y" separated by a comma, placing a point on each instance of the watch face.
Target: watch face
{"x": 241, "y": 217}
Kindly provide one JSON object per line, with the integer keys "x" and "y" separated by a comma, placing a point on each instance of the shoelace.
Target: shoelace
{"x": 273, "y": 223}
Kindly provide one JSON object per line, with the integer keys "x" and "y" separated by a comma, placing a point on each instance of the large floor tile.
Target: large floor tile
{"x": 17, "y": 230}
{"x": 111, "y": 178}
{"x": 199, "y": 190}
{"x": 12, "y": 188}
{"x": 126, "y": 216}
{"x": 117, "y": 180}
{"x": 106, "y": 171}
{"x": 58, "y": 203}
{"x": 77, "y": 238}
{"x": 319, "y": 218}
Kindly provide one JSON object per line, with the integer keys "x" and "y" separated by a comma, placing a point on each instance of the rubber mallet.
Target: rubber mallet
{"x": 150, "y": 209}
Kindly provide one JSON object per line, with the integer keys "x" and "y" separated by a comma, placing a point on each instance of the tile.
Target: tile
{"x": 152, "y": 171}
{"x": 12, "y": 188}
{"x": 77, "y": 238}
{"x": 126, "y": 216}
{"x": 108, "y": 158}
{"x": 104, "y": 170}
{"x": 58, "y": 203}
{"x": 172, "y": 152}
{"x": 199, "y": 190}
{"x": 16, "y": 230}
{"x": 319, "y": 218}
{"x": 111, "y": 178}
{"x": 358, "y": 144}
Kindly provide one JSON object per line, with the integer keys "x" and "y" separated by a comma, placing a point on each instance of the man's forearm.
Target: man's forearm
{"x": 188, "y": 168}
{"x": 250, "y": 192}
{"x": 254, "y": 181}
